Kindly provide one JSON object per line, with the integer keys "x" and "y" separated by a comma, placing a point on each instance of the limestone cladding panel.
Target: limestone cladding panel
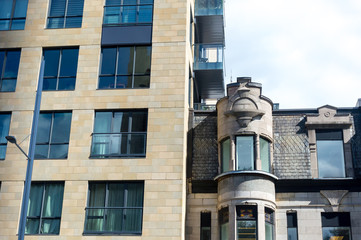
{"x": 291, "y": 153}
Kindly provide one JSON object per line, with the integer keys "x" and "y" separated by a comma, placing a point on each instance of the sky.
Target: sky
{"x": 305, "y": 53}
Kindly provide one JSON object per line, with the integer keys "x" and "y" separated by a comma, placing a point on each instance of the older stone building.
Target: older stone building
{"x": 281, "y": 174}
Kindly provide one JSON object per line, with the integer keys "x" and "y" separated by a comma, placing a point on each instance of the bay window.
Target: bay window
{"x": 245, "y": 153}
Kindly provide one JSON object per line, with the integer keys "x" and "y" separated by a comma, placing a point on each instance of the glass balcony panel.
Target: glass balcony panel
{"x": 209, "y": 7}
{"x": 208, "y": 57}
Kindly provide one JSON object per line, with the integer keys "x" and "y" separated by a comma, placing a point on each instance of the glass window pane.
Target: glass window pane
{"x": 129, "y": 2}
{"x": 44, "y": 126}
{"x": 57, "y": 8}
{"x": 112, "y": 2}
{"x": 106, "y": 82}
{"x": 49, "y": 84}
{"x": 53, "y": 200}
{"x": 12, "y": 64}
{"x": 66, "y": 84}
{"x": 75, "y": 7}
{"x": 94, "y": 220}
{"x": 112, "y": 15}
{"x": 125, "y": 60}
{"x": 124, "y": 82}
{"x": 21, "y": 7}
{"x": 120, "y": 122}
{"x": 137, "y": 144}
{"x": 292, "y": 233}
{"x": 330, "y": 158}
{"x": 135, "y": 194}
{"x": 244, "y": 153}
{"x": 2, "y": 58}
{"x": 58, "y": 151}
{"x": 116, "y": 195}
{"x": 73, "y": 22}
{"x": 142, "y": 61}
{"x": 108, "y": 61}
{"x": 61, "y": 127}
{"x": 247, "y": 230}
{"x": 51, "y": 57}
{"x": 8, "y": 85}
{"x": 103, "y": 122}
{"x": 6, "y": 8}
{"x": 141, "y": 81}
{"x": 35, "y": 200}
{"x": 4, "y": 127}
{"x": 100, "y": 144}
{"x": 331, "y": 233}
{"x": 145, "y": 14}
{"x": 4, "y": 24}
{"x": 56, "y": 22}
{"x": 114, "y": 220}
{"x": 41, "y": 151}
{"x": 96, "y": 195}
{"x": 264, "y": 146}
{"x": 50, "y": 226}
{"x": 32, "y": 226}
{"x": 269, "y": 231}
{"x": 139, "y": 121}
{"x": 69, "y": 62}
{"x": 2, "y": 151}
{"x": 132, "y": 220}
{"x": 18, "y": 24}
{"x": 226, "y": 156}
{"x": 129, "y": 14}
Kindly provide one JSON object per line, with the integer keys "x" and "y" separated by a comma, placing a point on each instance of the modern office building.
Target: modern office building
{"x": 130, "y": 144}
{"x": 119, "y": 80}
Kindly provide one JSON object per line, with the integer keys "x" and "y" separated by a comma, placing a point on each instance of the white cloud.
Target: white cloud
{"x": 305, "y": 53}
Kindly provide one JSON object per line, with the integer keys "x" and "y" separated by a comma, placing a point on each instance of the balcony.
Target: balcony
{"x": 208, "y": 7}
{"x": 208, "y": 56}
{"x": 107, "y": 145}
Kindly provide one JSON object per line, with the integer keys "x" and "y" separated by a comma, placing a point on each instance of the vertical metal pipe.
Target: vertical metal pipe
{"x": 29, "y": 168}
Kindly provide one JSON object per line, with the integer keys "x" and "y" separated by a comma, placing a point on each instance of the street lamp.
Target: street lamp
{"x": 30, "y": 157}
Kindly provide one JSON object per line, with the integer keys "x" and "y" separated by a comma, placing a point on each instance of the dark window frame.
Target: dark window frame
{"x": 4, "y": 142}
{"x": 50, "y": 143}
{"x": 58, "y": 77}
{"x": 129, "y": 133}
{"x": 292, "y": 224}
{"x": 106, "y": 203}
{"x": 206, "y": 226}
{"x": 132, "y": 75}
{"x": 65, "y": 16}
{"x": 122, "y": 6}
{"x": 41, "y": 217}
{"x": 11, "y": 19}
{"x": 4, "y": 63}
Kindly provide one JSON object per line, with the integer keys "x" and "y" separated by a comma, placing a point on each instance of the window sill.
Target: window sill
{"x": 116, "y": 157}
{"x": 110, "y": 234}
{"x": 121, "y": 88}
{"x": 62, "y": 28}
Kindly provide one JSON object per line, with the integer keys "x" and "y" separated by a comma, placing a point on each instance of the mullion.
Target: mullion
{"x": 59, "y": 66}
{"x": 134, "y": 58}
{"x": 105, "y": 205}
{"x": 41, "y": 209}
{"x": 3, "y": 69}
{"x": 129, "y": 137}
{"x": 125, "y": 200}
{"x": 12, "y": 15}
{"x": 65, "y": 13}
{"x": 51, "y": 133}
{"x": 116, "y": 68}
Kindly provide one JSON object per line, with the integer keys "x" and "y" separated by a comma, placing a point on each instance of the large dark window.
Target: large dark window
{"x": 244, "y": 153}
{"x": 65, "y": 14}
{"x": 330, "y": 154}
{"x": 336, "y": 225}
{"x": 246, "y": 222}
{"x": 13, "y": 14}
{"x": 52, "y": 140}
{"x": 60, "y": 68}
{"x": 45, "y": 205}
{"x": 4, "y": 131}
{"x": 125, "y": 67}
{"x": 115, "y": 208}
{"x": 128, "y": 12}
{"x": 9, "y": 66}
{"x": 120, "y": 134}
{"x": 206, "y": 220}
{"x": 292, "y": 231}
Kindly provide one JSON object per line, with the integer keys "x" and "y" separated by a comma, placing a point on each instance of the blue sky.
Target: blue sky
{"x": 306, "y": 53}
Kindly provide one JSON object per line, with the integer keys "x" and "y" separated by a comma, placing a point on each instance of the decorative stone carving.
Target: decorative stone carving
{"x": 334, "y": 197}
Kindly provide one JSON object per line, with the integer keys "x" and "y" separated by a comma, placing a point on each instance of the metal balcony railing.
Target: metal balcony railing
{"x": 118, "y": 144}
{"x": 208, "y": 56}
{"x": 208, "y": 7}
{"x": 204, "y": 107}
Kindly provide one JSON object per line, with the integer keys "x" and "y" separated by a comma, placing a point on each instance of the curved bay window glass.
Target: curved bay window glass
{"x": 246, "y": 222}
{"x": 223, "y": 217}
{"x": 264, "y": 148}
{"x": 244, "y": 153}
{"x": 226, "y": 155}
{"x": 336, "y": 225}
{"x": 330, "y": 154}
{"x": 269, "y": 223}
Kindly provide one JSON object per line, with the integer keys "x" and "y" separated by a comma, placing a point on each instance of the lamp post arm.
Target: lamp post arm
{"x": 26, "y": 155}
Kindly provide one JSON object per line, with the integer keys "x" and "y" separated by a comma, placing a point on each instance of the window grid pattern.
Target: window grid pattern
{"x": 125, "y": 67}
{"x": 115, "y": 208}
{"x": 60, "y": 68}
{"x": 45, "y": 207}
{"x": 128, "y": 12}
{"x": 119, "y": 134}
{"x": 9, "y": 66}
{"x": 65, "y": 14}
{"x": 13, "y": 14}
{"x": 4, "y": 131}
{"x": 52, "y": 140}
